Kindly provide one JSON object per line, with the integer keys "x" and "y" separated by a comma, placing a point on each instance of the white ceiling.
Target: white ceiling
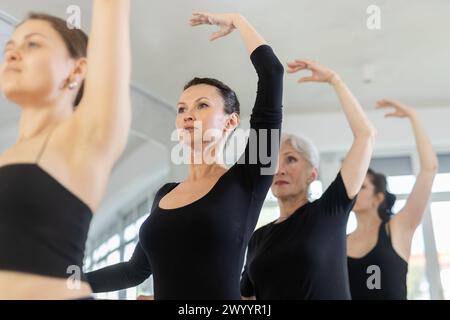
{"x": 410, "y": 53}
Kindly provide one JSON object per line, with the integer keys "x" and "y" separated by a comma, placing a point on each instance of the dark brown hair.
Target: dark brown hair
{"x": 230, "y": 99}
{"x": 76, "y": 41}
{"x": 379, "y": 182}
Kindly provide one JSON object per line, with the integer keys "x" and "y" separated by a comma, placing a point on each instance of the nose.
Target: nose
{"x": 12, "y": 56}
{"x": 188, "y": 116}
{"x": 280, "y": 170}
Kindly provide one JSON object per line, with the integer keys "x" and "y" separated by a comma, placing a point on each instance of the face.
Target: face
{"x": 367, "y": 199}
{"x": 36, "y": 64}
{"x": 201, "y": 118}
{"x": 294, "y": 174}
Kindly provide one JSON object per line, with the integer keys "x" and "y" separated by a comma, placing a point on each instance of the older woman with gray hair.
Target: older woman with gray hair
{"x": 302, "y": 255}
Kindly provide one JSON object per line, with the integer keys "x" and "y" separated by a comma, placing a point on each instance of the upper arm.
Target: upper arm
{"x": 356, "y": 163}
{"x": 335, "y": 200}
{"x": 104, "y": 115}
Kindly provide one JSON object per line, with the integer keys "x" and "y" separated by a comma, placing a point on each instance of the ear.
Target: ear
{"x": 379, "y": 198}
{"x": 313, "y": 176}
{"x": 79, "y": 71}
{"x": 232, "y": 122}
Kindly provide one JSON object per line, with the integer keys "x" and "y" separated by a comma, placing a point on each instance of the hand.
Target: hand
{"x": 400, "y": 110}
{"x": 320, "y": 73}
{"x": 141, "y": 297}
{"x": 223, "y": 20}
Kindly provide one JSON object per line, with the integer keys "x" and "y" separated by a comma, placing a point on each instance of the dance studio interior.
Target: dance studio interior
{"x": 374, "y": 93}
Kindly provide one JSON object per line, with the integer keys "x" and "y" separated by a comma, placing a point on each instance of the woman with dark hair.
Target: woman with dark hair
{"x": 70, "y": 135}
{"x": 378, "y": 250}
{"x": 195, "y": 238}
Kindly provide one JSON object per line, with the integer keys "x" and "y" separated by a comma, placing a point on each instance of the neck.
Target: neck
{"x": 290, "y": 204}
{"x": 202, "y": 171}
{"x": 206, "y": 162}
{"x": 35, "y": 120}
{"x": 368, "y": 221}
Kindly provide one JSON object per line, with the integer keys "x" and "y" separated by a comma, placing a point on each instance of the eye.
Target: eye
{"x": 32, "y": 44}
{"x": 291, "y": 159}
{"x": 181, "y": 109}
{"x": 203, "y": 105}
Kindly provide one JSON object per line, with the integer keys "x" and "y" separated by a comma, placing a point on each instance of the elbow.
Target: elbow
{"x": 433, "y": 167}
{"x": 275, "y": 70}
{"x": 368, "y": 135}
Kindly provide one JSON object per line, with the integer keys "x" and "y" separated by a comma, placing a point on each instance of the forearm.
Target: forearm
{"x": 115, "y": 277}
{"x": 359, "y": 123}
{"x": 252, "y": 39}
{"x": 427, "y": 156}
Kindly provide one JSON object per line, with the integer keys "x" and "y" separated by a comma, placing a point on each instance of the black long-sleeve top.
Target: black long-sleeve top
{"x": 197, "y": 251}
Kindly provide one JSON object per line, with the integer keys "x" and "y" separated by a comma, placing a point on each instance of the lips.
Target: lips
{"x": 281, "y": 183}
{"x": 12, "y": 69}
{"x": 189, "y": 128}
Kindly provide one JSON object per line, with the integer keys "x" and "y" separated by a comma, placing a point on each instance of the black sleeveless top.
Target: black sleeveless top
{"x": 43, "y": 226}
{"x": 380, "y": 274}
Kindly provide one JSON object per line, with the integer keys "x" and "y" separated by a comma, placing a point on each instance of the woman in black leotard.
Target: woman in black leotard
{"x": 70, "y": 135}
{"x": 302, "y": 254}
{"x": 195, "y": 238}
{"x": 378, "y": 250}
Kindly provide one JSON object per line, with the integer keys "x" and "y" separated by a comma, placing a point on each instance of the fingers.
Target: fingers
{"x": 396, "y": 113}
{"x": 388, "y": 103}
{"x": 195, "y": 23}
{"x": 296, "y": 66}
{"x": 216, "y": 35}
{"x": 199, "y": 18}
{"x": 306, "y": 79}
{"x": 310, "y": 64}
{"x": 295, "y": 69}
{"x": 297, "y": 63}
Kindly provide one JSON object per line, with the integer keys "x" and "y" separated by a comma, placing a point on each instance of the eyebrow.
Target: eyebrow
{"x": 10, "y": 42}
{"x": 289, "y": 153}
{"x": 194, "y": 101}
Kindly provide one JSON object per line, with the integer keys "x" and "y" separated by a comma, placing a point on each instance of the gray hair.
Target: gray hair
{"x": 304, "y": 147}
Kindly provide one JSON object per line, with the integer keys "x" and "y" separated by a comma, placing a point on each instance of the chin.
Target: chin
{"x": 279, "y": 193}
{"x": 12, "y": 93}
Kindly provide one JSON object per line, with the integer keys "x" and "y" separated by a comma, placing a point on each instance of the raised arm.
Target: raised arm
{"x": 410, "y": 216}
{"x": 356, "y": 163}
{"x": 103, "y": 117}
{"x": 267, "y": 112}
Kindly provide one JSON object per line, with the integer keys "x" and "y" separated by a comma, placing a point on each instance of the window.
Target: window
{"x": 440, "y": 212}
{"x": 120, "y": 247}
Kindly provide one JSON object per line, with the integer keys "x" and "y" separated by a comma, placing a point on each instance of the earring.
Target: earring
{"x": 73, "y": 85}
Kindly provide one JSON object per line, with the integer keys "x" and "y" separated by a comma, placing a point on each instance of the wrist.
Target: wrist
{"x": 237, "y": 19}
{"x": 412, "y": 115}
{"x": 335, "y": 79}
